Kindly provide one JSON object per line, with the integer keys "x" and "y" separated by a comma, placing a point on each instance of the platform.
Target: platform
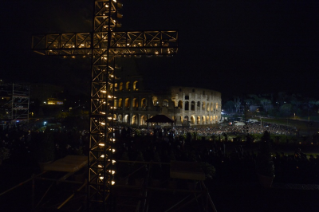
{"x": 186, "y": 170}
{"x": 70, "y": 163}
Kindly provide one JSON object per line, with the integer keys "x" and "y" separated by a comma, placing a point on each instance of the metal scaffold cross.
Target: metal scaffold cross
{"x": 103, "y": 45}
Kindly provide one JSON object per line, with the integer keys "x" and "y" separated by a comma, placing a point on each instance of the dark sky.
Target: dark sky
{"x": 234, "y": 47}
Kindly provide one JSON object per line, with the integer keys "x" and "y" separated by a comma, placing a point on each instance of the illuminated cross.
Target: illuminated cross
{"x": 103, "y": 45}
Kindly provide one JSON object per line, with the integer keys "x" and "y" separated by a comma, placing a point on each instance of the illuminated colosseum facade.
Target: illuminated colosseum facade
{"x": 195, "y": 106}
{"x": 185, "y": 105}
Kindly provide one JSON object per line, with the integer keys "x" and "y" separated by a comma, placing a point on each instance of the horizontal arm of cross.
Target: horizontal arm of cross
{"x": 121, "y": 43}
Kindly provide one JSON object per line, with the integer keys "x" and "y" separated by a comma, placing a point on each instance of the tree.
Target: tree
{"x": 249, "y": 102}
{"x": 296, "y": 102}
{"x": 310, "y": 103}
{"x": 266, "y": 103}
{"x": 229, "y": 106}
{"x": 237, "y": 104}
{"x": 285, "y": 109}
{"x": 282, "y": 98}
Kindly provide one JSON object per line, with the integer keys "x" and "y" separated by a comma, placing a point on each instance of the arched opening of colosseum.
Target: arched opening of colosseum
{"x": 203, "y": 106}
{"x": 155, "y": 100}
{"x": 193, "y": 106}
{"x": 126, "y": 119}
{"x": 192, "y": 120}
{"x": 186, "y": 105}
{"x": 120, "y": 103}
{"x": 165, "y": 103}
{"x": 120, "y": 118}
{"x": 208, "y": 107}
{"x": 127, "y": 102}
{"x": 135, "y": 103}
{"x": 121, "y": 86}
{"x": 211, "y": 119}
{"x": 198, "y": 119}
{"x": 186, "y": 97}
{"x": 207, "y": 119}
{"x": 135, "y": 86}
{"x": 143, "y": 102}
{"x": 127, "y": 86}
{"x": 216, "y": 105}
{"x": 211, "y": 106}
{"x": 134, "y": 119}
{"x": 185, "y": 118}
{"x": 115, "y": 103}
{"x": 198, "y": 106}
{"x": 204, "y": 120}
{"x": 175, "y": 103}
{"x": 143, "y": 120}
{"x": 180, "y": 104}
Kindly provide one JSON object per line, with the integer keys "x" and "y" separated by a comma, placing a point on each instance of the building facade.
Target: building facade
{"x": 185, "y": 105}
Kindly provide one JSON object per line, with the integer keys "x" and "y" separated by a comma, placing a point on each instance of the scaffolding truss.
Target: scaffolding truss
{"x": 15, "y": 102}
{"x": 121, "y": 43}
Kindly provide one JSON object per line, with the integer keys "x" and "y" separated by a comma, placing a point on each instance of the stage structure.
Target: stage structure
{"x": 103, "y": 45}
{"x": 15, "y": 102}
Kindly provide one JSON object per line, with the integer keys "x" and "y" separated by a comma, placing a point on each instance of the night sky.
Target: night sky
{"x": 235, "y": 47}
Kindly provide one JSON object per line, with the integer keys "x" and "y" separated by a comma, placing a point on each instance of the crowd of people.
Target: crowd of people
{"x": 25, "y": 142}
{"x": 252, "y": 128}
{"x": 208, "y": 131}
{"x": 232, "y": 161}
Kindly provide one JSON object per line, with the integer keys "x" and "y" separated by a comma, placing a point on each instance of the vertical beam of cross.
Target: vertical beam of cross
{"x": 101, "y": 148}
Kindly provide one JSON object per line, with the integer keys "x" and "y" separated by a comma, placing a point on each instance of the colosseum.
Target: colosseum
{"x": 185, "y": 105}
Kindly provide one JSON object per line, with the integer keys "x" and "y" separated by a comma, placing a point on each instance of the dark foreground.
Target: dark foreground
{"x": 237, "y": 197}
{"x": 282, "y": 197}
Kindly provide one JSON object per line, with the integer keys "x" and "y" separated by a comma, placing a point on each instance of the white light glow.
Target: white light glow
{"x": 113, "y": 161}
